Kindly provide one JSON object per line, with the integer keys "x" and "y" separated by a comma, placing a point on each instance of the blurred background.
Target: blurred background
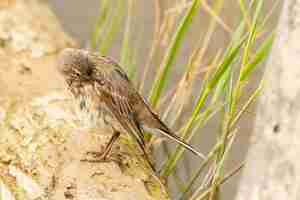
{"x": 78, "y": 18}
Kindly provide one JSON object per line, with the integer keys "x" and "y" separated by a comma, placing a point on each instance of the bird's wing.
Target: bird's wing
{"x": 117, "y": 91}
{"x": 130, "y": 109}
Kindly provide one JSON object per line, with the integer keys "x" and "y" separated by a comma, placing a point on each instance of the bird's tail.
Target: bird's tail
{"x": 178, "y": 140}
{"x": 165, "y": 131}
{"x": 148, "y": 117}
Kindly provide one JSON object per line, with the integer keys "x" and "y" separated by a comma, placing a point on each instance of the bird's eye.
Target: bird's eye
{"x": 89, "y": 72}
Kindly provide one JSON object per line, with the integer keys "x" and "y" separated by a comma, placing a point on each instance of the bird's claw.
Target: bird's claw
{"x": 96, "y": 157}
{"x": 95, "y": 154}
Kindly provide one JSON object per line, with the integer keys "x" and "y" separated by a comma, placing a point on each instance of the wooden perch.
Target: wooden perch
{"x": 42, "y": 136}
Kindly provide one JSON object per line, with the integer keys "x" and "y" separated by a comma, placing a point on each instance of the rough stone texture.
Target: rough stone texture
{"x": 42, "y": 135}
{"x": 273, "y": 166}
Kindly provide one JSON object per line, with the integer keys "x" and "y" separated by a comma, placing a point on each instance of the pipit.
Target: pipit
{"x": 103, "y": 88}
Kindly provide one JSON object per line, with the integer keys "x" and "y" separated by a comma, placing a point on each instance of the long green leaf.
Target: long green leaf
{"x": 101, "y": 19}
{"x": 230, "y": 55}
{"x": 171, "y": 53}
{"x": 113, "y": 28}
{"x": 126, "y": 53}
{"x": 228, "y": 59}
{"x": 258, "y": 57}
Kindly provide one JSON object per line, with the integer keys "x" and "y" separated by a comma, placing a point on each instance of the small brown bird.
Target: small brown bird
{"x": 103, "y": 87}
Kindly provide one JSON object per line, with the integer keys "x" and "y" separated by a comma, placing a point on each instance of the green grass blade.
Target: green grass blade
{"x": 220, "y": 88}
{"x": 101, "y": 19}
{"x": 113, "y": 27}
{"x": 131, "y": 66}
{"x": 244, "y": 11}
{"x": 220, "y": 164}
{"x": 251, "y": 99}
{"x": 207, "y": 115}
{"x": 171, "y": 53}
{"x": 197, "y": 174}
{"x": 258, "y": 57}
{"x": 227, "y": 61}
{"x": 220, "y": 182}
{"x": 126, "y": 53}
{"x": 236, "y": 92}
{"x": 233, "y": 96}
{"x": 171, "y": 162}
{"x": 252, "y": 34}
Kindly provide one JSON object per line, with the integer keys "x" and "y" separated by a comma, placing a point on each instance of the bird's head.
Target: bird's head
{"x": 74, "y": 65}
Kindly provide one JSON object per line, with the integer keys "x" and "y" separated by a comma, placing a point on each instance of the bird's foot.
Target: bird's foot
{"x": 95, "y": 157}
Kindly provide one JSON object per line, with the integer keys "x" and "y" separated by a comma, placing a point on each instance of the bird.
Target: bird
{"x": 103, "y": 87}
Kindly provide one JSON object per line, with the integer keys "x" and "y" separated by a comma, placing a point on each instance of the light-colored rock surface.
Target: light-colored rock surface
{"x": 273, "y": 165}
{"x": 42, "y": 135}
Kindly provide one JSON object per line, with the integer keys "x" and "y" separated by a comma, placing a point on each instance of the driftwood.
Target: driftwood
{"x": 42, "y": 135}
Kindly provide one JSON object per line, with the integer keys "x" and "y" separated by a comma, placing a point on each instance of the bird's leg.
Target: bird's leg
{"x": 145, "y": 154}
{"x": 110, "y": 144}
{"x": 102, "y": 156}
